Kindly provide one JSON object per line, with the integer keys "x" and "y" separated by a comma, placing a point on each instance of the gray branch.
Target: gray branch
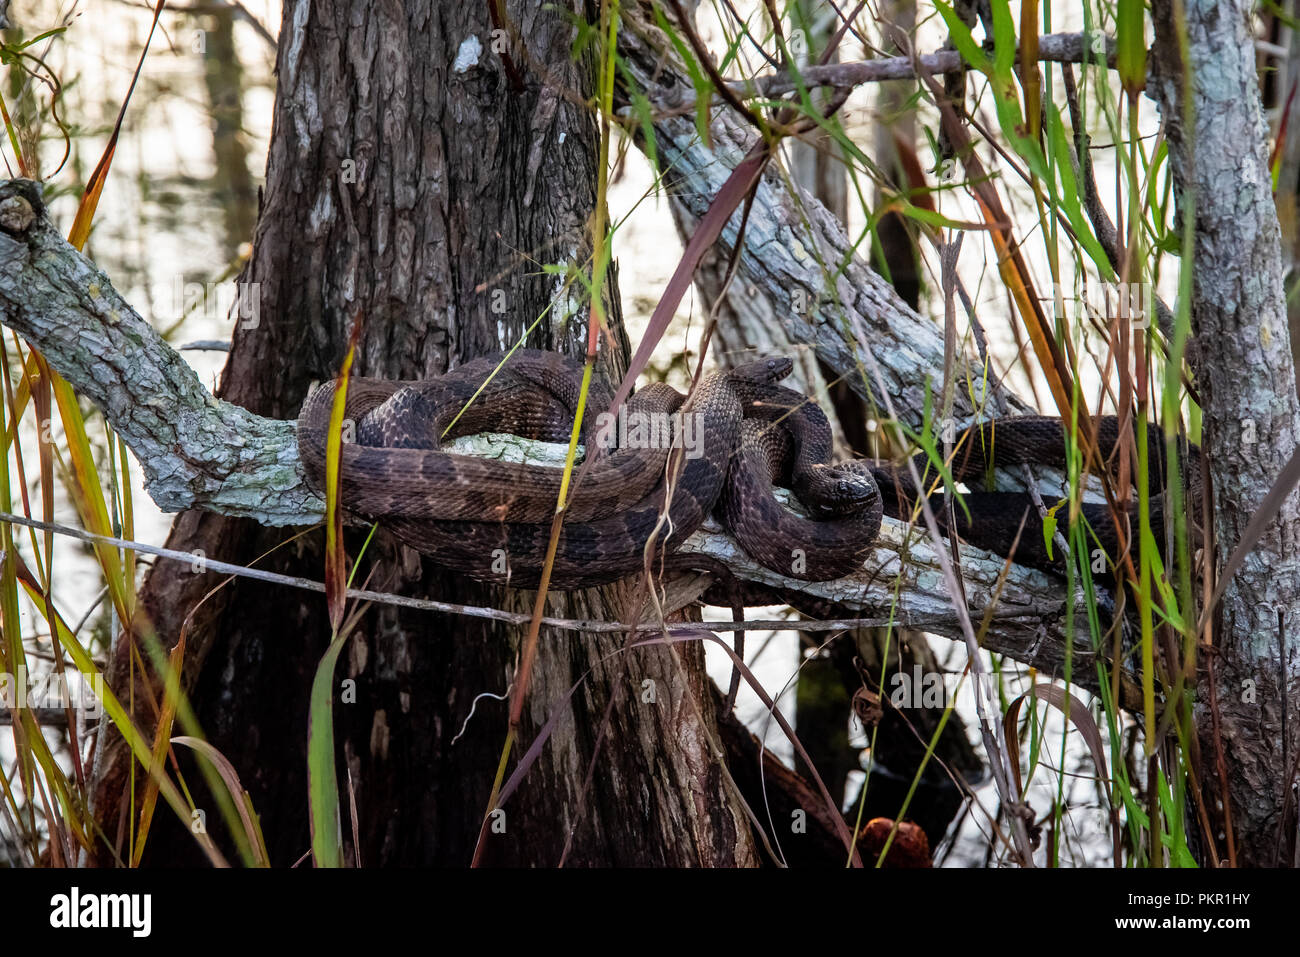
{"x": 796, "y": 261}
{"x": 1052, "y": 47}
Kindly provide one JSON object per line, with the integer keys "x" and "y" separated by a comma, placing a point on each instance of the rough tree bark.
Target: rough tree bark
{"x": 1219, "y": 157}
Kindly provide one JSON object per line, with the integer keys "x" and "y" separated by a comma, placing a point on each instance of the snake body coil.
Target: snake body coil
{"x": 491, "y": 519}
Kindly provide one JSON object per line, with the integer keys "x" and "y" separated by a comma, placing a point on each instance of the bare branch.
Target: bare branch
{"x": 1052, "y": 47}
{"x": 797, "y": 263}
{"x": 196, "y": 450}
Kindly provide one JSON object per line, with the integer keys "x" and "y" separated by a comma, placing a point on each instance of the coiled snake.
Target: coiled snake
{"x": 491, "y": 519}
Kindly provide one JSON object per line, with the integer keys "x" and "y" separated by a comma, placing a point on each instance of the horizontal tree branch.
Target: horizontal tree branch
{"x": 197, "y": 451}
{"x": 1052, "y": 47}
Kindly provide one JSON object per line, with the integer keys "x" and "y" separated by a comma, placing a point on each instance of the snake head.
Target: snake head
{"x": 839, "y": 490}
{"x": 772, "y": 369}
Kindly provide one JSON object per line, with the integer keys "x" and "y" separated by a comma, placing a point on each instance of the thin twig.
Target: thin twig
{"x": 1052, "y": 47}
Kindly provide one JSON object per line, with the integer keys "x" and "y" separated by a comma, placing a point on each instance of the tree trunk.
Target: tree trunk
{"x": 1252, "y": 419}
{"x": 416, "y": 181}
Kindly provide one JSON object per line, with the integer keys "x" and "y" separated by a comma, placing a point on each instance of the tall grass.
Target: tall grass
{"x": 46, "y": 789}
{"x": 1018, "y": 167}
